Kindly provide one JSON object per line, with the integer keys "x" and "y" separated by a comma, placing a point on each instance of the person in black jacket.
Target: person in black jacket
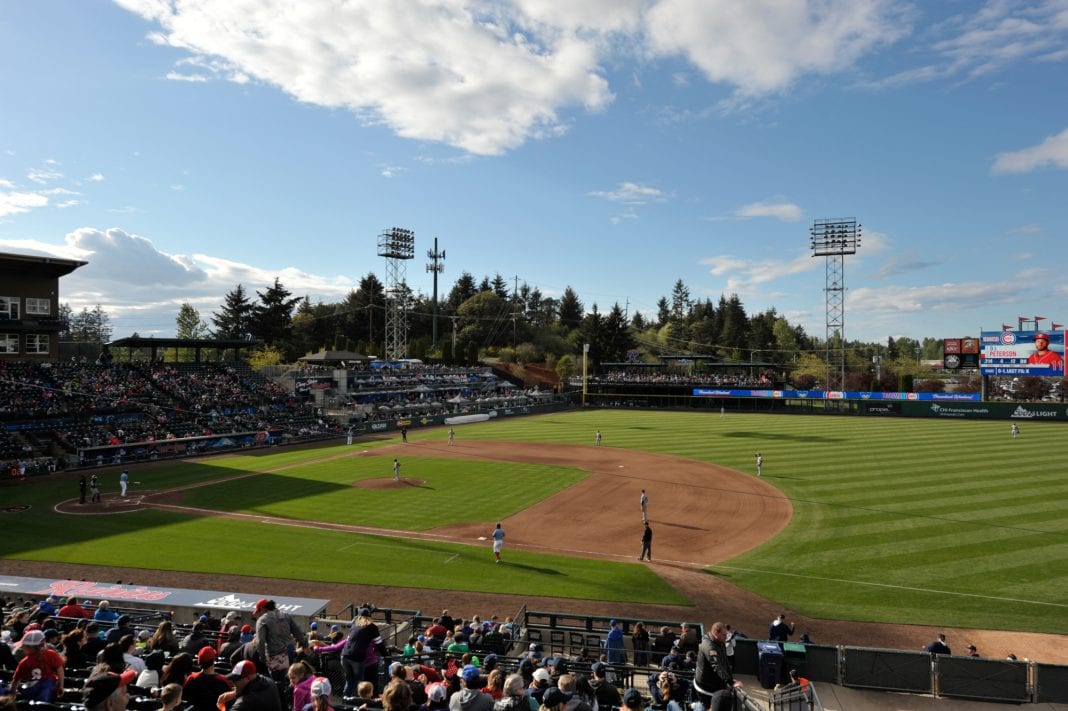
{"x": 252, "y": 691}
{"x": 363, "y": 636}
{"x": 713, "y": 680}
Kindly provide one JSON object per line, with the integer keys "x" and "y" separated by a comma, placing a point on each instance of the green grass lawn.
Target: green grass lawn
{"x": 896, "y": 520}
{"x": 316, "y": 485}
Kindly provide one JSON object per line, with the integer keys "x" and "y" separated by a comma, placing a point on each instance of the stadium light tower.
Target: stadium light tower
{"x": 834, "y": 238}
{"x": 436, "y": 258}
{"x": 397, "y": 245}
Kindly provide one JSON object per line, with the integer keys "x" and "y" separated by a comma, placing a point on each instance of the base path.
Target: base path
{"x": 701, "y": 514}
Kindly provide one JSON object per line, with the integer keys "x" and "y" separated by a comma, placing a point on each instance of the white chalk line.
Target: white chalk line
{"x": 890, "y": 586}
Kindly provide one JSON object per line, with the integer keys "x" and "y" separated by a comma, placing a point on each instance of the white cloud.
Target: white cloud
{"x": 4, "y": 183}
{"x": 1051, "y": 152}
{"x": 743, "y": 274}
{"x": 898, "y": 264}
{"x": 44, "y": 175}
{"x": 484, "y": 77}
{"x": 978, "y": 43}
{"x": 97, "y": 178}
{"x": 948, "y": 297}
{"x": 1030, "y": 229}
{"x": 631, "y": 194}
{"x": 69, "y": 203}
{"x": 141, "y": 287}
{"x": 785, "y": 211}
{"x": 763, "y": 46}
{"x": 13, "y": 202}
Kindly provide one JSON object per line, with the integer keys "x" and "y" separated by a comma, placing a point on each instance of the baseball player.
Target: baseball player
{"x": 760, "y": 464}
{"x": 396, "y": 470}
{"x": 452, "y": 436}
{"x": 498, "y": 542}
{"x": 645, "y": 507}
{"x": 124, "y": 481}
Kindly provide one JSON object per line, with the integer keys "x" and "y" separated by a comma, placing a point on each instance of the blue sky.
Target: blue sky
{"x": 613, "y": 146}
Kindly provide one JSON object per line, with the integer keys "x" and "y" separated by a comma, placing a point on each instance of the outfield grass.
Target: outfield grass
{"x": 917, "y": 521}
{"x": 936, "y": 522}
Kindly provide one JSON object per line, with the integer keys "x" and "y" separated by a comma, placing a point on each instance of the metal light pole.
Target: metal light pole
{"x": 833, "y": 239}
{"x": 397, "y": 245}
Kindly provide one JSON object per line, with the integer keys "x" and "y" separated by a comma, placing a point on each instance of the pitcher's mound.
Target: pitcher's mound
{"x": 389, "y": 483}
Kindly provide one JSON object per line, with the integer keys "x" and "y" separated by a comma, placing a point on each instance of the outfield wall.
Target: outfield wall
{"x": 932, "y": 405}
{"x": 379, "y": 426}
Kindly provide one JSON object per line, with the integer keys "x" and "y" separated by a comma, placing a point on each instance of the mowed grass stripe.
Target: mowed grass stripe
{"x": 167, "y": 541}
{"x": 449, "y": 492}
{"x": 922, "y": 504}
{"x": 897, "y": 520}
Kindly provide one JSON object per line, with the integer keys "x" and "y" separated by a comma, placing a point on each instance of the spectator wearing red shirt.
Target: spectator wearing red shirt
{"x": 71, "y": 608}
{"x": 41, "y": 665}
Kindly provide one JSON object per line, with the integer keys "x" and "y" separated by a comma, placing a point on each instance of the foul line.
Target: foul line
{"x": 889, "y": 585}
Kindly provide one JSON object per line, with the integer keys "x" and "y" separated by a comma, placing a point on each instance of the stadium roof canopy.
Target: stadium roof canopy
{"x": 333, "y": 357}
{"x": 154, "y": 345}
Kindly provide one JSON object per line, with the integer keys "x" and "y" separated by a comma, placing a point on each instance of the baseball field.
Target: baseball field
{"x": 941, "y": 524}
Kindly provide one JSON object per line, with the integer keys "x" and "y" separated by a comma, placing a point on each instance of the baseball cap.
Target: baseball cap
{"x": 242, "y": 670}
{"x": 598, "y": 668}
{"x": 33, "y": 638}
{"x": 364, "y": 612}
{"x": 437, "y": 692}
{"x": 632, "y": 698}
{"x": 471, "y": 673}
{"x": 541, "y": 675}
{"x": 321, "y": 686}
{"x": 490, "y": 662}
{"x": 99, "y": 687}
{"x": 554, "y": 697}
{"x": 156, "y": 660}
{"x": 260, "y": 604}
{"x": 1042, "y": 334}
{"x": 206, "y": 656}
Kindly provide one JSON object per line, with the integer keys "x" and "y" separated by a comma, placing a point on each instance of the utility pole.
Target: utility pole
{"x": 436, "y": 267}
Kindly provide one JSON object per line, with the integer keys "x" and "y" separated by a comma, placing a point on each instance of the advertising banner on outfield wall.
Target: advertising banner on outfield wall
{"x": 987, "y": 410}
{"x": 836, "y": 395}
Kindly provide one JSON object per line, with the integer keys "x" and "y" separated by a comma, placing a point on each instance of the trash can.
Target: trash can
{"x": 769, "y": 664}
{"x": 794, "y": 655}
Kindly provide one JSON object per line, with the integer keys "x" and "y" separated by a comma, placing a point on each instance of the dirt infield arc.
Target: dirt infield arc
{"x": 701, "y": 514}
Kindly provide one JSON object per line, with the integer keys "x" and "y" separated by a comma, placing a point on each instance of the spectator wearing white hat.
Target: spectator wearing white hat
{"x": 40, "y": 665}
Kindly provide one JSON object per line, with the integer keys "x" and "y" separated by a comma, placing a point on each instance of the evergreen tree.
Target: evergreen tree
{"x": 500, "y": 286}
{"x": 570, "y": 309}
{"x": 90, "y": 326}
{"x": 273, "y": 314}
{"x": 618, "y": 339}
{"x": 680, "y": 301}
{"x": 462, "y": 290}
{"x": 234, "y": 318}
{"x": 663, "y": 312}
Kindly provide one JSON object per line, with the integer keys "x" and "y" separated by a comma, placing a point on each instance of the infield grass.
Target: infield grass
{"x": 937, "y": 522}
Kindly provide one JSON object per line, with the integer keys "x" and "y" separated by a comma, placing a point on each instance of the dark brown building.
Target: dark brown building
{"x": 29, "y": 305}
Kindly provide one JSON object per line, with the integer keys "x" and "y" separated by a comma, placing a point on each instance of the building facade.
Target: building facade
{"x": 29, "y": 305}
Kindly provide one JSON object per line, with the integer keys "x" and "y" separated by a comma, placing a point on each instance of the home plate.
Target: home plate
{"x": 481, "y": 538}
{"x": 620, "y": 466}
